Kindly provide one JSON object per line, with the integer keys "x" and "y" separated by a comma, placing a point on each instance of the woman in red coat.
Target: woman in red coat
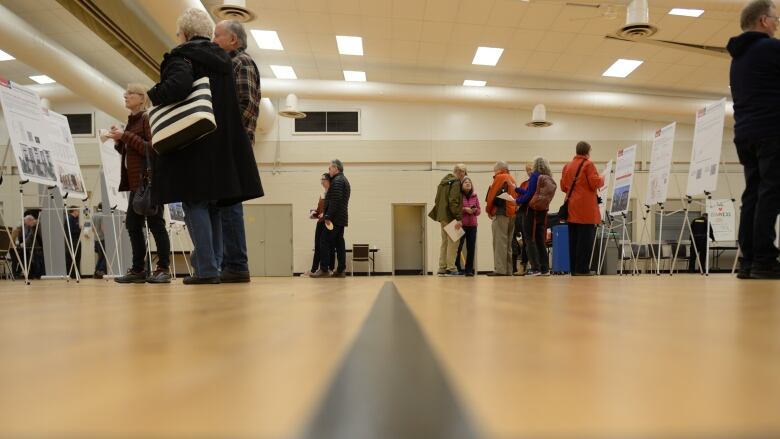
{"x": 583, "y": 207}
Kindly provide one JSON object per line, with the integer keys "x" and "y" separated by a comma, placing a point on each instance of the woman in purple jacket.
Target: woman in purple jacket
{"x": 471, "y": 211}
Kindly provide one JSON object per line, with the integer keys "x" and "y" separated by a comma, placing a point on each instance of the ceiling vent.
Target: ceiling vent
{"x": 291, "y": 108}
{"x": 233, "y": 10}
{"x": 637, "y": 21}
{"x": 539, "y": 117}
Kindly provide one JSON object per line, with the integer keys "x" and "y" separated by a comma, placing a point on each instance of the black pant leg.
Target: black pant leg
{"x": 327, "y": 247}
{"x": 540, "y": 233}
{"x": 586, "y": 233}
{"x": 156, "y": 226}
{"x": 134, "y": 224}
{"x": 767, "y": 205}
{"x": 471, "y": 248}
{"x": 315, "y": 262}
{"x": 341, "y": 250}
{"x": 749, "y": 161}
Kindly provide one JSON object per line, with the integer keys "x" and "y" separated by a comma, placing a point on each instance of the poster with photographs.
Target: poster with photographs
{"x": 660, "y": 165}
{"x": 111, "y": 161}
{"x": 707, "y": 145}
{"x": 176, "y": 212}
{"x": 63, "y": 150}
{"x": 29, "y": 132}
{"x": 624, "y": 179}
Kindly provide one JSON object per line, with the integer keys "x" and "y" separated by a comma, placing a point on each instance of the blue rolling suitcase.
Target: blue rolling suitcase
{"x": 560, "y": 249}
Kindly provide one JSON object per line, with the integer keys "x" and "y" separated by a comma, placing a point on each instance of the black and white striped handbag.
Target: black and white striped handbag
{"x": 177, "y": 125}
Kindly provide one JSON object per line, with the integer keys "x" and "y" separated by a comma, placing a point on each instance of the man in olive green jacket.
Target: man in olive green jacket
{"x": 448, "y": 207}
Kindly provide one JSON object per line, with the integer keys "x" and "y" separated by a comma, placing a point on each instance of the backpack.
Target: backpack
{"x": 545, "y": 191}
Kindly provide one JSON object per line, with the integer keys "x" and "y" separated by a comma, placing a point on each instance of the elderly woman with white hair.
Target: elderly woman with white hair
{"x": 216, "y": 170}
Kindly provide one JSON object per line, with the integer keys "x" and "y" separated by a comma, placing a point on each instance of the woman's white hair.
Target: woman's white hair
{"x": 195, "y": 23}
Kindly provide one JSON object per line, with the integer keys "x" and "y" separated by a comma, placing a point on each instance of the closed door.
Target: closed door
{"x": 408, "y": 239}
{"x": 269, "y": 239}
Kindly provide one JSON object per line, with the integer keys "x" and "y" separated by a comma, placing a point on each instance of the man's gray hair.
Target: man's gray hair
{"x": 28, "y": 217}
{"x": 501, "y": 165}
{"x": 753, "y": 12}
{"x": 337, "y": 163}
{"x": 238, "y": 30}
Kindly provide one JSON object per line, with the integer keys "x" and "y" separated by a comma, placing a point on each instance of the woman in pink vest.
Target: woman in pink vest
{"x": 470, "y": 211}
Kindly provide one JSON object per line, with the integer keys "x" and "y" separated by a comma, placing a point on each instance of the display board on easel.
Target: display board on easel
{"x": 111, "y": 162}
{"x": 707, "y": 146}
{"x": 624, "y": 180}
{"x": 44, "y": 151}
{"x": 660, "y": 165}
{"x": 604, "y": 190}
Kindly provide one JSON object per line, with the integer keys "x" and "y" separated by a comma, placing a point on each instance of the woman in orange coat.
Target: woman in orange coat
{"x": 583, "y": 207}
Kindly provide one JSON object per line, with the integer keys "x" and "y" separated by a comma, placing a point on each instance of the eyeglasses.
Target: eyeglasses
{"x": 774, "y": 18}
{"x": 128, "y": 93}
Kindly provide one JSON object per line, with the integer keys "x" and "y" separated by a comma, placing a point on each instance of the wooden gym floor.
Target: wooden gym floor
{"x": 405, "y": 357}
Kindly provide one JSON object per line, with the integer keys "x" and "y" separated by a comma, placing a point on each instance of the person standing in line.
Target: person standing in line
{"x": 336, "y": 218}
{"x": 134, "y": 143}
{"x": 100, "y": 242}
{"x": 537, "y": 196}
{"x": 580, "y": 181}
{"x": 755, "y": 90}
{"x": 216, "y": 170}
{"x": 73, "y": 237}
{"x": 317, "y": 214}
{"x": 521, "y": 251}
{"x": 448, "y": 207}
{"x": 502, "y": 212}
{"x": 471, "y": 211}
{"x": 231, "y": 37}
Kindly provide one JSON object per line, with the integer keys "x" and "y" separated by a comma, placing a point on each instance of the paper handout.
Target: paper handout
{"x": 454, "y": 234}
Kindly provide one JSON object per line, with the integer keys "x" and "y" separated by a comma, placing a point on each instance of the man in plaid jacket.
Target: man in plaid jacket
{"x": 231, "y": 37}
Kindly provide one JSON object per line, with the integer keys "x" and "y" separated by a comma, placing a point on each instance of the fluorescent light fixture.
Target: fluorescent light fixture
{"x": 353, "y": 75}
{"x": 5, "y": 57}
{"x": 42, "y": 79}
{"x": 350, "y": 45}
{"x": 487, "y": 56}
{"x": 267, "y": 39}
{"x": 687, "y": 12}
{"x": 284, "y": 72}
{"x": 473, "y": 83}
{"x": 622, "y": 68}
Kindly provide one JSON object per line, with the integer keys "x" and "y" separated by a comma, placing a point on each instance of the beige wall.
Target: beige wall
{"x": 404, "y": 150}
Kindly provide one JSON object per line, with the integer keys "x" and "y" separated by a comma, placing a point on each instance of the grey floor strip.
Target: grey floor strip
{"x": 390, "y": 385}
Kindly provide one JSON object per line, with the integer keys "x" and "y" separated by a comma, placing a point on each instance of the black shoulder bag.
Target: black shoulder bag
{"x": 142, "y": 199}
{"x": 563, "y": 212}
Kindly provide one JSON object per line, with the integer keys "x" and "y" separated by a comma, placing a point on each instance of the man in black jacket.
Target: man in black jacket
{"x": 755, "y": 88}
{"x": 336, "y": 219}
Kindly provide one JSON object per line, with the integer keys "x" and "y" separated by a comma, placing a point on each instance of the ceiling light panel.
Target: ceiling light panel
{"x": 487, "y": 56}
{"x": 350, "y": 45}
{"x": 267, "y": 39}
{"x": 42, "y": 79}
{"x": 622, "y": 68}
{"x": 5, "y": 57}
{"x": 354, "y": 76}
{"x": 473, "y": 83}
{"x": 687, "y": 12}
{"x": 284, "y": 72}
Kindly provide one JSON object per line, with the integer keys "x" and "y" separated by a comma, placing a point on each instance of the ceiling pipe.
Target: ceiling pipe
{"x": 617, "y": 104}
{"x": 31, "y": 47}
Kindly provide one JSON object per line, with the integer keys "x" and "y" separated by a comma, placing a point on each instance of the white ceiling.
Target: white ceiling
{"x": 548, "y": 44}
